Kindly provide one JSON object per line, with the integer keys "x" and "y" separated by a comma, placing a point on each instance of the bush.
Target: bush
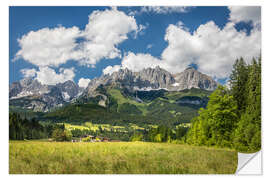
{"x": 136, "y": 137}
{"x": 61, "y": 135}
{"x": 87, "y": 139}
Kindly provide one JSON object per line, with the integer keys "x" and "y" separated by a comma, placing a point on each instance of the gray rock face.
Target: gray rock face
{"x": 70, "y": 87}
{"x": 153, "y": 79}
{"x": 191, "y": 78}
{"x": 27, "y": 87}
{"x": 147, "y": 79}
{"x": 33, "y": 95}
{"x": 69, "y": 90}
{"x": 15, "y": 89}
{"x": 44, "y": 97}
{"x": 157, "y": 78}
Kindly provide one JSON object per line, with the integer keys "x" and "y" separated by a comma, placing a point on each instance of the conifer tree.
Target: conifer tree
{"x": 238, "y": 81}
{"x": 248, "y": 133}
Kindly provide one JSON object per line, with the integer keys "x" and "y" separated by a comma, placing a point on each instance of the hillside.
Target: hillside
{"x": 142, "y": 108}
{"x": 151, "y": 96}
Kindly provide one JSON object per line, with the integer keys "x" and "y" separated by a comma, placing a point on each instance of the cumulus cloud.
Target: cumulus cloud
{"x": 83, "y": 82}
{"x": 212, "y": 49}
{"x": 49, "y": 47}
{"x": 245, "y": 14}
{"x": 105, "y": 30}
{"x": 110, "y": 69}
{"x": 28, "y": 72}
{"x": 47, "y": 75}
{"x": 166, "y": 9}
{"x": 100, "y": 38}
{"x": 136, "y": 62}
{"x": 140, "y": 30}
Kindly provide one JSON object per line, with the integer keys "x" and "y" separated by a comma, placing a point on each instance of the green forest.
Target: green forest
{"x": 232, "y": 117}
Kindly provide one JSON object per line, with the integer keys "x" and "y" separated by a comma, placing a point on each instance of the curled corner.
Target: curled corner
{"x": 249, "y": 164}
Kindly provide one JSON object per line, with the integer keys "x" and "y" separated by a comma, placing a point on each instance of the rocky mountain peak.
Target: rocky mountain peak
{"x": 26, "y": 81}
{"x": 69, "y": 89}
{"x": 190, "y": 69}
{"x": 144, "y": 80}
{"x": 158, "y": 77}
{"x": 192, "y": 78}
{"x": 41, "y": 96}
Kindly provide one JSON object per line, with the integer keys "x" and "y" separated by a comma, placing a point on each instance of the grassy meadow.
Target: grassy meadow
{"x": 121, "y": 100}
{"x": 36, "y": 157}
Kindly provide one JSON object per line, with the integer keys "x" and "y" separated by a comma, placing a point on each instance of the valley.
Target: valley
{"x": 144, "y": 99}
{"x": 113, "y": 125}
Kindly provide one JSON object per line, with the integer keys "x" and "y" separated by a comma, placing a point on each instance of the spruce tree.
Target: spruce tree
{"x": 238, "y": 81}
{"x": 247, "y": 135}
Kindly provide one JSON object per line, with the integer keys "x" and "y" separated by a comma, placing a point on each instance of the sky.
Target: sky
{"x": 56, "y": 44}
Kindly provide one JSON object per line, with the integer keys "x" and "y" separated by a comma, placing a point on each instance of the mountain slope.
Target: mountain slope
{"x": 142, "y": 86}
{"x": 31, "y": 94}
{"x": 154, "y": 79}
{"x": 191, "y": 78}
{"x": 122, "y": 107}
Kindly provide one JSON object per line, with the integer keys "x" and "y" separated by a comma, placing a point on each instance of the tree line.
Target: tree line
{"x": 232, "y": 117}
{"x": 23, "y": 128}
{"x": 160, "y": 134}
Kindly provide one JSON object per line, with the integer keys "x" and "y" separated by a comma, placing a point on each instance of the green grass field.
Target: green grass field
{"x": 35, "y": 157}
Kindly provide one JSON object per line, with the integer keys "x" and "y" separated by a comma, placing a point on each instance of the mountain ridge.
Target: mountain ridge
{"x": 45, "y": 97}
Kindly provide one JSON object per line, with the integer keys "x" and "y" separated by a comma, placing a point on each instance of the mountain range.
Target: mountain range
{"x": 30, "y": 94}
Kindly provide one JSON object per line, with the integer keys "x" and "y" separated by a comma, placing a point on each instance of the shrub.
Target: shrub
{"x": 61, "y": 135}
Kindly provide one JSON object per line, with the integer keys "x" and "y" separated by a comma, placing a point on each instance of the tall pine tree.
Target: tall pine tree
{"x": 248, "y": 133}
{"x": 238, "y": 81}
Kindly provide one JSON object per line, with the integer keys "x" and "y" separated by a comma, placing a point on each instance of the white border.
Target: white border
{"x": 4, "y": 75}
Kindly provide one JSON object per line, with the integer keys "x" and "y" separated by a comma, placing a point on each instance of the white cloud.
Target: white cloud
{"x": 166, "y": 9}
{"x": 140, "y": 30}
{"x": 105, "y": 30}
{"x": 49, "y": 47}
{"x": 110, "y": 69}
{"x": 100, "y": 38}
{"x": 28, "y": 72}
{"x": 137, "y": 62}
{"x": 83, "y": 82}
{"x": 245, "y": 14}
{"x": 149, "y": 46}
{"x": 48, "y": 76}
{"x": 214, "y": 50}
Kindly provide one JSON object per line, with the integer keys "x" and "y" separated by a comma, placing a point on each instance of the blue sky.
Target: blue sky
{"x": 145, "y": 44}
